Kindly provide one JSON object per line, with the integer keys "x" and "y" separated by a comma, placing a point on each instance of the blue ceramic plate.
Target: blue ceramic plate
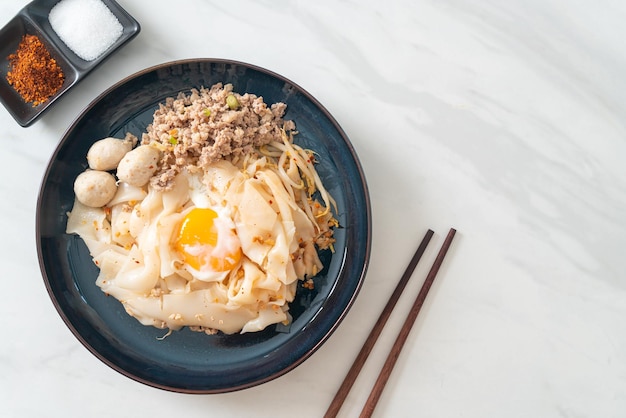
{"x": 33, "y": 20}
{"x": 188, "y": 361}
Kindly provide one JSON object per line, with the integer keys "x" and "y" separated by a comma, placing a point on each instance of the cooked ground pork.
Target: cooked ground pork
{"x": 206, "y": 125}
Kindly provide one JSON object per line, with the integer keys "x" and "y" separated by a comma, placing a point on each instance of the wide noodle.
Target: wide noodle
{"x": 271, "y": 199}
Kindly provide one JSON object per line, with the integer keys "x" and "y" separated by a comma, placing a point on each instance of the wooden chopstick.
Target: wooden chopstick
{"x": 345, "y": 387}
{"x": 385, "y": 372}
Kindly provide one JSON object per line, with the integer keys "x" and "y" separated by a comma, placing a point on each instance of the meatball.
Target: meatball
{"x": 106, "y": 153}
{"x": 138, "y": 165}
{"x": 95, "y": 188}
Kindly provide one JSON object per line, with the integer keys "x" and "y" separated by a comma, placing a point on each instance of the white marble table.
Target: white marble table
{"x": 505, "y": 120}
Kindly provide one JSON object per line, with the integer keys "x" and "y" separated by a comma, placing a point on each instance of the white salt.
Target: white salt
{"x": 87, "y": 27}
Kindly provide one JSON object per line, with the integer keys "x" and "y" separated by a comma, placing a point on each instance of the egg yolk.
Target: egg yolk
{"x": 205, "y": 246}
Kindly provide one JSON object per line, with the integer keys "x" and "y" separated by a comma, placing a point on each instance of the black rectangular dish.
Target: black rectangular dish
{"x": 33, "y": 20}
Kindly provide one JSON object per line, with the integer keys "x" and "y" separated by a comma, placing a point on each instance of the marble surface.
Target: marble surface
{"x": 504, "y": 120}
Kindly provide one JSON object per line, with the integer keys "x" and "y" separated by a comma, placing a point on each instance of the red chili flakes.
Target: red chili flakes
{"x": 33, "y": 73}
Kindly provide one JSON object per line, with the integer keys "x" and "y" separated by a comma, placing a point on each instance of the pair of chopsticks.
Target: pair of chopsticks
{"x": 394, "y": 353}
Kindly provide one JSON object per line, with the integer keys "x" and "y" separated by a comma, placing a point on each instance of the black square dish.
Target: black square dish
{"x": 33, "y": 19}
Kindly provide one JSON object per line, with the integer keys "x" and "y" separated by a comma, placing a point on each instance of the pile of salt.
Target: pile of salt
{"x": 87, "y": 27}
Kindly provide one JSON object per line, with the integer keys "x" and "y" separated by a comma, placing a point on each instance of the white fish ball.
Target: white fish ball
{"x": 95, "y": 188}
{"x": 138, "y": 165}
{"x": 107, "y": 153}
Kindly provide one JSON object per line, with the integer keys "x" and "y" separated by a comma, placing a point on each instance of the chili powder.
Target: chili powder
{"x": 33, "y": 73}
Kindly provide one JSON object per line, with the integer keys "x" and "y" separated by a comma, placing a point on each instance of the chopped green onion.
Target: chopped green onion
{"x": 173, "y": 140}
{"x": 232, "y": 102}
{"x": 207, "y": 112}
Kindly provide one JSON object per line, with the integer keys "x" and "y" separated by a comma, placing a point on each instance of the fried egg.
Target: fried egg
{"x": 207, "y": 242}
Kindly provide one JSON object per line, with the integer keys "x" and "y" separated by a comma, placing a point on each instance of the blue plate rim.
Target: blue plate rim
{"x": 366, "y": 210}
